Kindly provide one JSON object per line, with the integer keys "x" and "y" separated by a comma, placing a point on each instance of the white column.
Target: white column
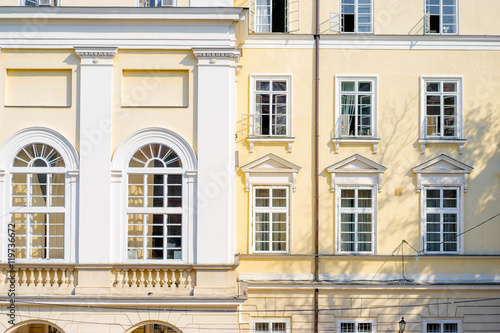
{"x": 216, "y": 155}
{"x": 96, "y": 88}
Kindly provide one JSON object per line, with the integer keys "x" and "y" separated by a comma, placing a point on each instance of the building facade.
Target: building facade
{"x": 249, "y": 166}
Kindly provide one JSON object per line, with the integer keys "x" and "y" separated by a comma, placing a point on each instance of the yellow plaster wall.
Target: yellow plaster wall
{"x": 282, "y": 62}
{"x": 398, "y": 126}
{"x": 399, "y": 73}
{"x": 60, "y": 119}
{"x": 127, "y": 120}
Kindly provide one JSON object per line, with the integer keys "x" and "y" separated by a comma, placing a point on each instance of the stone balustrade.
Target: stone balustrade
{"x": 37, "y": 278}
{"x": 163, "y": 280}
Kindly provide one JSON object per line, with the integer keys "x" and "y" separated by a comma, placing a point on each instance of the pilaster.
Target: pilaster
{"x": 96, "y": 83}
{"x": 216, "y": 158}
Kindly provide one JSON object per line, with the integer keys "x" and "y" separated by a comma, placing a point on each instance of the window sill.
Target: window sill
{"x": 270, "y": 139}
{"x": 459, "y": 142}
{"x": 356, "y": 140}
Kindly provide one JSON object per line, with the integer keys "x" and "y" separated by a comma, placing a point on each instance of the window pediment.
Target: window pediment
{"x": 271, "y": 164}
{"x": 442, "y": 170}
{"x": 357, "y": 166}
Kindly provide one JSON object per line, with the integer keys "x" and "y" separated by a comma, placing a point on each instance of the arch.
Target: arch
{"x": 129, "y": 146}
{"x": 141, "y": 324}
{"x": 29, "y": 322}
{"x": 23, "y": 137}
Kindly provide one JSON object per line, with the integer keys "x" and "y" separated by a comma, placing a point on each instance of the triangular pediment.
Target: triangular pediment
{"x": 356, "y": 164}
{"x": 271, "y": 163}
{"x": 442, "y": 164}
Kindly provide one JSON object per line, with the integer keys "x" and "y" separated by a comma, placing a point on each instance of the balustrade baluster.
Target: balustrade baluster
{"x": 125, "y": 278}
{"x": 134, "y": 278}
{"x": 32, "y": 277}
{"x": 23, "y": 281}
{"x": 150, "y": 278}
{"x": 157, "y": 279}
{"x": 141, "y": 278}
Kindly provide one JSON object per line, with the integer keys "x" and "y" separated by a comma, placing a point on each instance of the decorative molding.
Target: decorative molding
{"x": 217, "y": 56}
{"x": 2, "y": 175}
{"x": 356, "y": 166}
{"x": 96, "y": 56}
{"x": 191, "y": 176}
{"x": 73, "y": 175}
{"x": 38, "y": 134}
{"x": 255, "y": 139}
{"x": 116, "y": 176}
{"x": 338, "y": 141}
{"x": 459, "y": 142}
{"x": 271, "y": 165}
{"x": 449, "y": 171}
{"x": 129, "y": 146}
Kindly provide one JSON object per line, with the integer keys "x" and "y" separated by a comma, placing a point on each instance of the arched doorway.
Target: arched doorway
{"x": 154, "y": 328}
{"x": 37, "y": 328}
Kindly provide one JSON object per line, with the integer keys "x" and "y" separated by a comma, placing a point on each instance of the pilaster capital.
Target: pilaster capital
{"x": 96, "y": 55}
{"x": 217, "y": 56}
{"x": 2, "y": 176}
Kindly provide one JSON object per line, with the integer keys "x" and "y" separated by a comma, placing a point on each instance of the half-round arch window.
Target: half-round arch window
{"x": 155, "y": 211}
{"x": 38, "y": 206}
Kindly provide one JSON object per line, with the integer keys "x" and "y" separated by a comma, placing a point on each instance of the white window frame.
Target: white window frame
{"x": 356, "y": 10}
{"x": 441, "y": 321}
{"x": 255, "y": 210}
{"x": 119, "y": 191}
{"x": 174, "y": 4}
{"x": 270, "y": 321}
{"x": 357, "y": 321}
{"x": 158, "y": 211}
{"x": 251, "y": 117}
{"x": 8, "y": 151}
{"x": 372, "y": 139}
{"x": 292, "y": 17}
{"x": 458, "y": 139}
{"x": 458, "y": 210}
{"x": 356, "y": 210}
{"x": 37, "y": 3}
{"x": 427, "y": 23}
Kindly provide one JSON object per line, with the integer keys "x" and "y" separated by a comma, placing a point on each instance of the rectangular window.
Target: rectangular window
{"x": 356, "y": 16}
{"x": 441, "y": 327}
{"x": 356, "y": 219}
{"x": 269, "y": 15}
{"x": 441, "y": 219}
{"x": 32, "y": 3}
{"x": 356, "y": 107}
{"x": 442, "y": 103}
{"x": 39, "y": 235}
{"x": 271, "y": 100}
{"x": 270, "y": 219}
{"x": 270, "y": 327}
{"x": 441, "y": 17}
{"x": 356, "y": 326}
{"x": 154, "y": 216}
{"x": 157, "y": 3}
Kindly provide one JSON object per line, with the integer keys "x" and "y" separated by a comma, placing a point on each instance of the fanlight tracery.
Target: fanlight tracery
{"x": 38, "y": 155}
{"x": 155, "y": 156}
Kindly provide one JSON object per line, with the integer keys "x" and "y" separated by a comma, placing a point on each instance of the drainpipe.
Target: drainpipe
{"x": 316, "y": 167}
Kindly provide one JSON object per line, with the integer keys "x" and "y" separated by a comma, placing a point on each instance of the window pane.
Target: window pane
{"x": 450, "y": 327}
{"x": 347, "y": 86}
{"x": 433, "y": 327}
{"x": 347, "y": 327}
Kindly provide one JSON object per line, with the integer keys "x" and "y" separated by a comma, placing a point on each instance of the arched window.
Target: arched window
{"x": 154, "y": 190}
{"x": 155, "y": 204}
{"x": 39, "y": 202}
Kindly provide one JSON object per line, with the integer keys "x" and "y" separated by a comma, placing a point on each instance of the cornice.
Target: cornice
{"x": 124, "y": 13}
{"x": 96, "y": 56}
{"x": 216, "y": 56}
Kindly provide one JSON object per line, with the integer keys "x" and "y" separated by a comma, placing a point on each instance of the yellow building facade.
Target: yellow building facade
{"x": 249, "y": 166}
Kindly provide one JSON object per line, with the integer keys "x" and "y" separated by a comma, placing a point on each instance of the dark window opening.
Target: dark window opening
{"x": 347, "y": 22}
{"x": 434, "y": 24}
{"x": 279, "y": 16}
